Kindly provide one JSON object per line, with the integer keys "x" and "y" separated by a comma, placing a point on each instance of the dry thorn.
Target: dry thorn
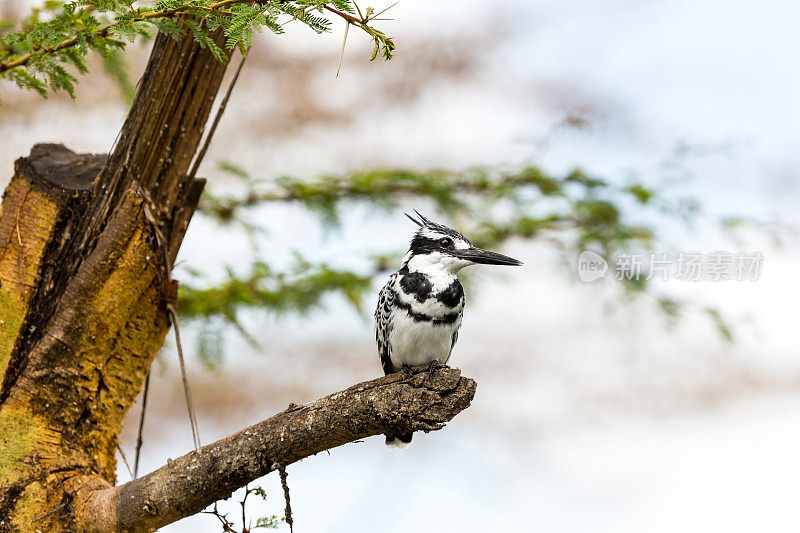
{"x": 344, "y": 42}
{"x": 379, "y": 13}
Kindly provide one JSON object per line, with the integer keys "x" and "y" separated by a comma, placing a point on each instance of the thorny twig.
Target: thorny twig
{"x": 362, "y": 21}
{"x": 227, "y": 525}
{"x": 285, "y": 485}
{"x": 247, "y": 526}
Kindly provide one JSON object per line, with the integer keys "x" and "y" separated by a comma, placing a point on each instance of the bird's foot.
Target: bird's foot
{"x": 432, "y": 366}
{"x": 407, "y": 371}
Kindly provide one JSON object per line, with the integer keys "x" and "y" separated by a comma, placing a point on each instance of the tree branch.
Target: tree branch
{"x": 392, "y": 404}
{"x": 144, "y": 16}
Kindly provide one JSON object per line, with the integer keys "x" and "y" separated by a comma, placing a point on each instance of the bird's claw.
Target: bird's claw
{"x": 432, "y": 366}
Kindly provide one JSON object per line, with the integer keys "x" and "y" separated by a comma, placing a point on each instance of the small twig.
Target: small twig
{"x": 244, "y": 500}
{"x": 285, "y": 485}
{"x": 202, "y": 153}
{"x": 346, "y": 16}
{"x": 361, "y": 15}
{"x": 124, "y": 459}
{"x": 187, "y": 392}
{"x": 60, "y": 506}
{"x": 141, "y": 426}
{"x": 227, "y": 525}
{"x": 65, "y": 501}
{"x": 170, "y": 291}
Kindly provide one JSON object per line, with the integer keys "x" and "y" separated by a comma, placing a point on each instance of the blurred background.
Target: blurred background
{"x": 595, "y": 410}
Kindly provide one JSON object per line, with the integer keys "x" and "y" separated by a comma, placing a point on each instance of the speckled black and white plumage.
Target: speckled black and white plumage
{"x": 421, "y": 306}
{"x": 414, "y": 319}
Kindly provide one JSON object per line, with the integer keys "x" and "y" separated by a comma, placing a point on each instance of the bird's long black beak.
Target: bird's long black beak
{"x": 485, "y": 257}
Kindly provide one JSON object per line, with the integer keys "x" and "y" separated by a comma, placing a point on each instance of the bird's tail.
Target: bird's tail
{"x": 399, "y": 441}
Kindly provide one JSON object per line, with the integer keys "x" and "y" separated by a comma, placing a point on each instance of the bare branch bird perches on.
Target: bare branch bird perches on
{"x": 190, "y": 483}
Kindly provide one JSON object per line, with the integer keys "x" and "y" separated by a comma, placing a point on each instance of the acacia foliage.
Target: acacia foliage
{"x": 572, "y": 212}
{"x": 52, "y": 43}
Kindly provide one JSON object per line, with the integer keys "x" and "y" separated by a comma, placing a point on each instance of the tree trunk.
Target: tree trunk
{"x": 87, "y": 243}
{"x": 87, "y": 246}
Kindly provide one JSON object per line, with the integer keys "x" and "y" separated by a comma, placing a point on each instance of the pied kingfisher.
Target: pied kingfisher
{"x": 420, "y": 307}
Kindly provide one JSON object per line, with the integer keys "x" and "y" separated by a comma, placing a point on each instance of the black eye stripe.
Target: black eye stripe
{"x": 424, "y": 244}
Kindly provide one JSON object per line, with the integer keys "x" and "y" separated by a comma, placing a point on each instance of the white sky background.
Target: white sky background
{"x": 585, "y": 418}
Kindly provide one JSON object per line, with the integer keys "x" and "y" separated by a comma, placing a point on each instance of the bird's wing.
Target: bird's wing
{"x": 383, "y": 324}
{"x": 456, "y": 328}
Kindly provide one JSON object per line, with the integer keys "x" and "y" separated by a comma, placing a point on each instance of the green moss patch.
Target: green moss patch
{"x": 12, "y": 312}
{"x": 19, "y": 434}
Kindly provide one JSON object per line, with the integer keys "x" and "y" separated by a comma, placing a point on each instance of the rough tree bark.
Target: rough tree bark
{"x": 86, "y": 246}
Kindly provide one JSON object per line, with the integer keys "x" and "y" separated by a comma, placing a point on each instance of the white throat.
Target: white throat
{"x": 441, "y": 269}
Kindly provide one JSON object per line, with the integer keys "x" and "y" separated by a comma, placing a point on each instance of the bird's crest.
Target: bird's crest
{"x": 424, "y": 222}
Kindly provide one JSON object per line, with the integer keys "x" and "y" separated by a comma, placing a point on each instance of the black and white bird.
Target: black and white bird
{"x": 420, "y": 307}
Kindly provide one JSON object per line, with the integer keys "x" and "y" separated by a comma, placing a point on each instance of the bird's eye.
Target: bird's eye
{"x": 446, "y": 242}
